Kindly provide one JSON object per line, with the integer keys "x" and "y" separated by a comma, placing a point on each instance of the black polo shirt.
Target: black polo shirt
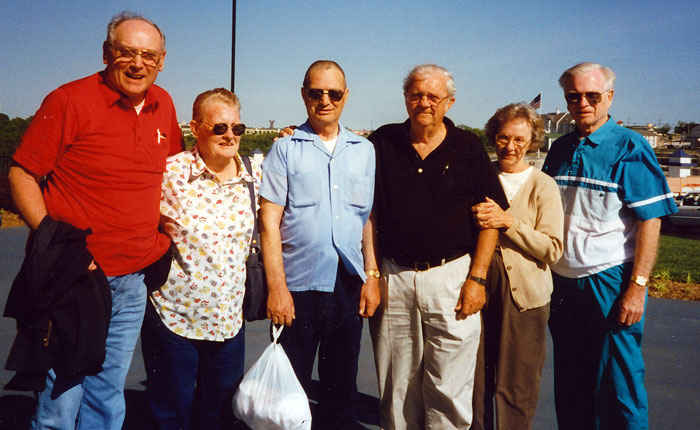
{"x": 423, "y": 207}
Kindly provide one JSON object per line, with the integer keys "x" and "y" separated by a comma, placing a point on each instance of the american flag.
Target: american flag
{"x": 536, "y": 103}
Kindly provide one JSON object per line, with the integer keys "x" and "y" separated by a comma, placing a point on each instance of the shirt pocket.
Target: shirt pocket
{"x": 304, "y": 189}
{"x": 358, "y": 191}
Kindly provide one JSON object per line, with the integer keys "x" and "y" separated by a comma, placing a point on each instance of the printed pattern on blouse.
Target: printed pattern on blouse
{"x": 210, "y": 223}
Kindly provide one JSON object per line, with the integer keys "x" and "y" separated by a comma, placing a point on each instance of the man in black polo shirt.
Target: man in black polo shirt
{"x": 429, "y": 174}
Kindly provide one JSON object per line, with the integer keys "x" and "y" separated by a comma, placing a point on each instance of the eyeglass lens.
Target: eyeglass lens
{"x": 317, "y": 94}
{"x": 592, "y": 97}
{"x": 221, "y": 128}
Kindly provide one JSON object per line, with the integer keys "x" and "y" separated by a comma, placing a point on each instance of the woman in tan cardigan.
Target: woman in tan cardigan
{"x": 512, "y": 349}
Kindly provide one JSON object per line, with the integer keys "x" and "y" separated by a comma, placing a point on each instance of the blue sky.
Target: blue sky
{"x": 498, "y": 51}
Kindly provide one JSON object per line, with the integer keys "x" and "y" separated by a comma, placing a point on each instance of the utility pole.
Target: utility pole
{"x": 233, "y": 45}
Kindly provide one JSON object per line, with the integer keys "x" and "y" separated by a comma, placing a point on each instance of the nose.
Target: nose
{"x": 424, "y": 101}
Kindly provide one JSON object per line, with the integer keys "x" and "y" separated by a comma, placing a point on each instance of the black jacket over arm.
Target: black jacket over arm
{"x": 62, "y": 310}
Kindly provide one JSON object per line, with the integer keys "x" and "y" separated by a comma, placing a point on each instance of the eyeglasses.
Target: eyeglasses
{"x": 149, "y": 57}
{"x": 519, "y": 141}
{"x": 221, "y": 128}
{"x": 593, "y": 97}
{"x": 432, "y": 98}
{"x": 316, "y": 94}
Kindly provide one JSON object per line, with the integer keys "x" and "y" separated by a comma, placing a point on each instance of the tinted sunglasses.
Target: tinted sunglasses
{"x": 221, "y": 128}
{"x": 592, "y": 97}
{"x": 317, "y": 94}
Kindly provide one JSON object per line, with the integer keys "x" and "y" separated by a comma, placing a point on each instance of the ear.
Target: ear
{"x": 193, "y": 127}
{"x": 105, "y": 52}
{"x": 611, "y": 94}
{"x": 161, "y": 63}
{"x": 450, "y": 102}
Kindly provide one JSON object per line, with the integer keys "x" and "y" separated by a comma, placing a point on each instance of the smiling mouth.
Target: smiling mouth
{"x": 134, "y": 76}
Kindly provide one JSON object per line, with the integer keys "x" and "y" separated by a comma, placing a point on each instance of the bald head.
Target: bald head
{"x": 322, "y": 65}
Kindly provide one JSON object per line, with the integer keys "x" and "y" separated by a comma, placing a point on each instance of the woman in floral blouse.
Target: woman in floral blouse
{"x": 193, "y": 333}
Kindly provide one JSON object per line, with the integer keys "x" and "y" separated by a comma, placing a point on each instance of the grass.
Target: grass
{"x": 678, "y": 260}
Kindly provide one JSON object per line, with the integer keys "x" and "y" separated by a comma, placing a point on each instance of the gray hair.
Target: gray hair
{"x": 129, "y": 16}
{"x": 516, "y": 111}
{"x": 580, "y": 68}
{"x": 423, "y": 70}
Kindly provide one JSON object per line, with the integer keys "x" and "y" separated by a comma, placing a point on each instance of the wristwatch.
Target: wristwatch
{"x": 481, "y": 281}
{"x": 373, "y": 273}
{"x": 640, "y": 280}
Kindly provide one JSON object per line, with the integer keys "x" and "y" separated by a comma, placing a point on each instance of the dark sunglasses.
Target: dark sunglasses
{"x": 592, "y": 97}
{"x": 317, "y": 94}
{"x": 221, "y": 128}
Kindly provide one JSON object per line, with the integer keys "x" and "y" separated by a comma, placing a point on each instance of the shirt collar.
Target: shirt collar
{"x": 406, "y": 130}
{"x": 112, "y": 96}
{"x": 601, "y": 135}
{"x": 198, "y": 167}
{"x": 306, "y": 132}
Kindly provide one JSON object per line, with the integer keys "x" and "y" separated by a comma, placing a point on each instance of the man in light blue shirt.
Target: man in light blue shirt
{"x": 613, "y": 193}
{"x": 322, "y": 274}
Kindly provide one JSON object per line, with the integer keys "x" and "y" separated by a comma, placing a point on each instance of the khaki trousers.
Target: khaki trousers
{"x": 510, "y": 360}
{"x": 425, "y": 357}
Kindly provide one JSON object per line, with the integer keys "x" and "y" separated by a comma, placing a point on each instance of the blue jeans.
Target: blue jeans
{"x": 598, "y": 363}
{"x": 97, "y": 402}
{"x": 181, "y": 370}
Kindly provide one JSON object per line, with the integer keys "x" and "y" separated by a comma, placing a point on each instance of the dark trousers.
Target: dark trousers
{"x": 329, "y": 323}
{"x": 598, "y": 364}
{"x": 511, "y": 355}
{"x": 185, "y": 372}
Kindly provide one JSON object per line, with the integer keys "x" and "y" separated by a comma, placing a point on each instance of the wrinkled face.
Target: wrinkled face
{"x": 427, "y": 100}
{"x": 591, "y": 100}
{"x": 512, "y": 143}
{"x": 323, "y": 111}
{"x": 134, "y": 59}
{"x": 213, "y": 147}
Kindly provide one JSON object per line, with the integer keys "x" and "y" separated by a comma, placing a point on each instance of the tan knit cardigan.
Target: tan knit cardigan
{"x": 533, "y": 241}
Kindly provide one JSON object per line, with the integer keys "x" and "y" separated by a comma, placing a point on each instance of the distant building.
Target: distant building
{"x": 558, "y": 123}
{"x": 185, "y": 128}
{"x": 694, "y": 136}
{"x": 655, "y": 138}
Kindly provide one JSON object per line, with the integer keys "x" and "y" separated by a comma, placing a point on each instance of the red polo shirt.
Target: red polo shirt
{"x": 104, "y": 164}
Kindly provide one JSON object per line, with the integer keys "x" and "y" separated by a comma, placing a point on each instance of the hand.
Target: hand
{"x": 92, "y": 266}
{"x": 370, "y": 297}
{"x": 472, "y": 298}
{"x": 287, "y": 131}
{"x": 631, "y": 304}
{"x": 280, "y": 307}
{"x": 489, "y": 214}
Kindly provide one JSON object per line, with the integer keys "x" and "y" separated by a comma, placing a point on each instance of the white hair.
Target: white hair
{"x": 423, "y": 70}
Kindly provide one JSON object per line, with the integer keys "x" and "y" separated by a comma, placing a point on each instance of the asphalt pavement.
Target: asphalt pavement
{"x": 671, "y": 349}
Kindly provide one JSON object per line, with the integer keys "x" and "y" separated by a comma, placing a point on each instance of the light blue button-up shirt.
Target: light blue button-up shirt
{"x": 327, "y": 199}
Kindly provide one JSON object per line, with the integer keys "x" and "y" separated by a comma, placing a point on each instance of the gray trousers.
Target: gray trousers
{"x": 511, "y": 355}
{"x": 424, "y": 356}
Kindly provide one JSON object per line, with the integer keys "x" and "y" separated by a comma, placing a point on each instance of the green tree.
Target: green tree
{"x": 683, "y": 127}
{"x": 664, "y": 128}
{"x": 11, "y": 132}
{"x": 481, "y": 135}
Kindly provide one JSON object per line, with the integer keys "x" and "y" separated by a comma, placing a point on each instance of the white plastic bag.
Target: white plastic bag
{"x": 270, "y": 396}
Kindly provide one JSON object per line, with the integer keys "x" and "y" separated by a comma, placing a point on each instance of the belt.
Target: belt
{"x": 422, "y": 265}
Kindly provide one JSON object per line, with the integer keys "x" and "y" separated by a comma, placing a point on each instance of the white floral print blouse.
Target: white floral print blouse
{"x": 210, "y": 223}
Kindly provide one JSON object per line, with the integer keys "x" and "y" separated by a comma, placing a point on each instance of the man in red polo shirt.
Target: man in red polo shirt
{"x": 100, "y": 143}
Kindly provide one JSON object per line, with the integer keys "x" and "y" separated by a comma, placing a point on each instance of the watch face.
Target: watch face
{"x": 640, "y": 280}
